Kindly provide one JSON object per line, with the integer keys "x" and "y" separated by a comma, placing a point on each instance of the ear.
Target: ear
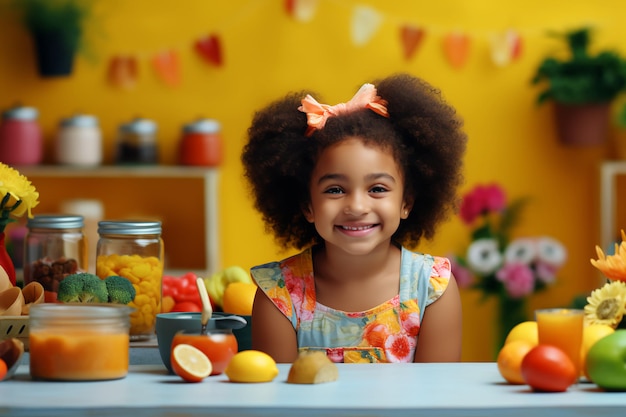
{"x": 308, "y": 214}
{"x": 407, "y": 206}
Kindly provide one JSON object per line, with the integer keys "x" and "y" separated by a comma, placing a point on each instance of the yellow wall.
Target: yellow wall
{"x": 267, "y": 54}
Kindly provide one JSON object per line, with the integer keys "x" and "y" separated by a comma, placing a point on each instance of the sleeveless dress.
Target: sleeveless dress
{"x": 385, "y": 333}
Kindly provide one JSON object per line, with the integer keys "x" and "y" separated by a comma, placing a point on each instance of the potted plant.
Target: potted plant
{"x": 57, "y": 29}
{"x": 582, "y": 88}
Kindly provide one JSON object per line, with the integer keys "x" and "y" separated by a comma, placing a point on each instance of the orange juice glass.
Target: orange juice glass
{"x": 219, "y": 345}
{"x": 563, "y": 328}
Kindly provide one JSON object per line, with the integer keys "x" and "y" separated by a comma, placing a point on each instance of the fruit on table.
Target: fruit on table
{"x": 182, "y": 289}
{"x": 219, "y": 345}
{"x": 251, "y": 366}
{"x": 216, "y": 284}
{"x": 312, "y": 368}
{"x": 526, "y": 330}
{"x": 190, "y": 363}
{"x": 238, "y": 298}
{"x": 606, "y": 362}
{"x": 547, "y": 368}
{"x": 591, "y": 334}
{"x": 510, "y": 358}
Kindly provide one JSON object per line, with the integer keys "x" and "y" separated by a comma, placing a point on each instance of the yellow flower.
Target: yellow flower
{"x": 612, "y": 266}
{"x": 606, "y": 305}
{"x": 17, "y": 194}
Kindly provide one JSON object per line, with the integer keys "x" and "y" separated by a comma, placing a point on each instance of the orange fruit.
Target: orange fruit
{"x": 510, "y": 360}
{"x": 526, "y": 330}
{"x": 167, "y": 304}
{"x": 190, "y": 363}
{"x": 591, "y": 334}
{"x": 238, "y": 298}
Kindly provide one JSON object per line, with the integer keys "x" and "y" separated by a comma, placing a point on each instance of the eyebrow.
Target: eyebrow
{"x": 369, "y": 177}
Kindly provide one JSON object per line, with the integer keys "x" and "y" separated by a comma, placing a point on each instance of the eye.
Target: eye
{"x": 333, "y": 190}
{"x": 378, "y": 189}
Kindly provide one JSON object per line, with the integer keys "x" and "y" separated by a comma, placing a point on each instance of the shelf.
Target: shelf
{"x": 78, "y": 182}
{"x": 609, "y": 171}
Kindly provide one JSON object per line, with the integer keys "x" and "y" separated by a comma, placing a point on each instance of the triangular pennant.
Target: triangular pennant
{"x": 365, "y": 24}
{"x": 123, "y": 71}
{"x": 209, "y": 48}
{"x": 456, "y": 48}
{"x": 411, "y": 37}
{"x": 167, "y": 66}
{"x": 301, "y": 10}
{"x": 505, "y": 47}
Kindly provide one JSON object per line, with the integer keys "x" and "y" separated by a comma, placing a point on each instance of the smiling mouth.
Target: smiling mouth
{"x": 356, "y": 228}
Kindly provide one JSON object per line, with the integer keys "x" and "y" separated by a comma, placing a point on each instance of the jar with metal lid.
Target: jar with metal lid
{"x": 79, "y": 141}
{"x": 20, "y": 137}
{"x": 201, "y": 144}
{"x": 137, "y": 143}
{"x": 54, "y": 247}
{"x": 78, "y": 342}
{"x": 134, "y": 250}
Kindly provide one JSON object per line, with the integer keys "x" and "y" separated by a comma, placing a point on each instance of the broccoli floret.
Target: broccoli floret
{"x": 121, "y": 291}
{"x": 82, "y": 288}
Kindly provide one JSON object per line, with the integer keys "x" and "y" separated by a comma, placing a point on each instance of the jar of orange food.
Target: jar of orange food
{"x": 134, "y": 250}
{"x": 78, "y": 342}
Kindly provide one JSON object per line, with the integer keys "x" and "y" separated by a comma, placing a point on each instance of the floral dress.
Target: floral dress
{"x": 385, "y": 333}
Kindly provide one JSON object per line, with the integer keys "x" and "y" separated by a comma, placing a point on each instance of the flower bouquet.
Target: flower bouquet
{"x": 498, "y": 265}
{"x": 17, "y": 197}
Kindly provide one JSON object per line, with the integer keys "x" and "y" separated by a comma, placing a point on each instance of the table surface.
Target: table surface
{"x": 445, "y": 389}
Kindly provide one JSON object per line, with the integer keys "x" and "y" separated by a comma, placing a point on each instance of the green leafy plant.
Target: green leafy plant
{"x": 583, "y": 77}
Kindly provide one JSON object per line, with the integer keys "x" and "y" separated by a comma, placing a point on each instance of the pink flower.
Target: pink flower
{"x": 481, "y": 200}
{"x": 518, "y": 279}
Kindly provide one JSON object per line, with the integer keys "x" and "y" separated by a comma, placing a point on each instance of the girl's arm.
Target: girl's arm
{"x": 441, "y": 328}
{"x": 272, "y": 332}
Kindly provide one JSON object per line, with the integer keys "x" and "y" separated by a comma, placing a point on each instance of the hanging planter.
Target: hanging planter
{"x": 56, "y": 29}
{"x": 582, "y": 88}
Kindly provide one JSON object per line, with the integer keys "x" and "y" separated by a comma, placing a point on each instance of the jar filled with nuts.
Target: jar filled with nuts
{"x": 134, "y": 250}
{"x": 55, "y": 247}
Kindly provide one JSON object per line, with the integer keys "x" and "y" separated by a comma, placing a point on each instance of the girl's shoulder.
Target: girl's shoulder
{"x": 298, "y": 265}
{"x": 439, "y": 266}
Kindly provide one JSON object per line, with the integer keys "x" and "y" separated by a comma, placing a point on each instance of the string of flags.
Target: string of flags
{"x": 365, "y": 21}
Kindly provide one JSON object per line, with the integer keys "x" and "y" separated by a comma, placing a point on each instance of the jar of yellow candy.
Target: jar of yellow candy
{"x": 134, "y": 250}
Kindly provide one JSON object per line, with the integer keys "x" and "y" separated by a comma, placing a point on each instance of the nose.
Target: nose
{"x": 356, "y": 205}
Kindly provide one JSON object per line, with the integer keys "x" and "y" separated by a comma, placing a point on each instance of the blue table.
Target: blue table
{"x": 447, "y": 389}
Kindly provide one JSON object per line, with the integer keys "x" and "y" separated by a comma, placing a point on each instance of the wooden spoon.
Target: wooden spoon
{"x": 207, "y": 310}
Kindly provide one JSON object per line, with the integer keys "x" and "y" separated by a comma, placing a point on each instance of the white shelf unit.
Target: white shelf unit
{"x": 209, "y": 176}
{"x": 609, "y": 171}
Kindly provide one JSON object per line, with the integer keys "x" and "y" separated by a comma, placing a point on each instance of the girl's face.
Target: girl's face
{"x": 357, "y": 197}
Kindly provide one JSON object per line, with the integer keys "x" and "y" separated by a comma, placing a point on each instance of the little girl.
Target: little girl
{"x": 353, "y": 186}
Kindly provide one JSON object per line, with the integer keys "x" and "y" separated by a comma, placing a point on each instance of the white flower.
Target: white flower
{"x": 551, "y": 251}
{"x": 483, "y": 256}
{"x": 521, "y": 251}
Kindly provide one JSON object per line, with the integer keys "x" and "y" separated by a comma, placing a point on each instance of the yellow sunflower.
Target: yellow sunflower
{"x": 17, "y": 195}
{"x": 612, "y": 266}
{"x": 606, "y": 305}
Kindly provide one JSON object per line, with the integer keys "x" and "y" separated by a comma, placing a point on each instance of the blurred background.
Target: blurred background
{"x": 176, "y": 62}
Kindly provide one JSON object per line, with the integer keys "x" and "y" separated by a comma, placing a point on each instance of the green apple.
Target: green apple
{"x": 606, "y": 362}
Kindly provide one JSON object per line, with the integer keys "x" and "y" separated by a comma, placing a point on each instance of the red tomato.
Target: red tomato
{"x": 547, "y": 368}
{"x": 187, "y": 306}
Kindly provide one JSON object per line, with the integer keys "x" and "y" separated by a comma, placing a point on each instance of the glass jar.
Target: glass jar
{"x": 201, "y": 144}
{"x": 137, "y": 143}
{"x": 134, "y": 250}
{"x": 79, "y": 141}
{"x": 54, "y": 247}
{"x": 78, "y": 342}
{"x": 20, "y": 137}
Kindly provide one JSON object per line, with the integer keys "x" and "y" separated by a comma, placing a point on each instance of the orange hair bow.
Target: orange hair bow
{"x": 365, "y": 98}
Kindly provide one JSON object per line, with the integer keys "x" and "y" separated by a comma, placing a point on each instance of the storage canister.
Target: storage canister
{"x": 201, "y": 144}
{"x": 20, "y": 137}
{"x": 134, "y": 250}
{"x": 79, "y": 141}
{"x": 54, "y": 247}
{"x": 137, "y": 143}
{"x": 78, "y": 342}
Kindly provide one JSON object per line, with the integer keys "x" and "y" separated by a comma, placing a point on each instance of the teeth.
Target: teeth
{"x": 356, "y": 228}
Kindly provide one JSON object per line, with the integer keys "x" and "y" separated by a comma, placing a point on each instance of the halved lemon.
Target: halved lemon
{"x": 190, "y": 363}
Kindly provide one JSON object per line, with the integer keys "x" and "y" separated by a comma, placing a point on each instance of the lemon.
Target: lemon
{"x": 591, "y": 334}
{"x": 251, "y": 366}
{"x": 526, "y": 330}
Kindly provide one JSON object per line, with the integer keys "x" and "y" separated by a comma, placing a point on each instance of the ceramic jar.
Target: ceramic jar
{"x": 20, "y": 137}
{"x": 79, "y": 141}
{"x": 137, "y": 143}
{"x": 201, "y": 143}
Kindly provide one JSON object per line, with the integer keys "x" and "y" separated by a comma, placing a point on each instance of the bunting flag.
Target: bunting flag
{"x": 123, "y": 71}
{"x": 167, "y": 66}
{"x": 456, "y": 47}
{"x": 411, "y": 37}
{"x": 210, "y": 48}
{"x": 505, "y": 47}
{"x": 301, "y": 10}
{"x": 365, "y": 23}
